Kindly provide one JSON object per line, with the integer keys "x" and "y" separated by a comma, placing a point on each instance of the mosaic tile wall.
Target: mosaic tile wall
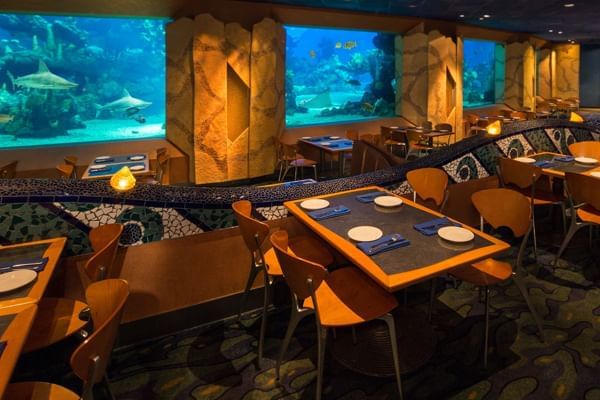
{"x": 33, "y": 209}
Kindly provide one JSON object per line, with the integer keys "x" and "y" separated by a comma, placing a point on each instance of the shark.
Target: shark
{"x": 125, "y": 103}
{"x": 43, "y": 79}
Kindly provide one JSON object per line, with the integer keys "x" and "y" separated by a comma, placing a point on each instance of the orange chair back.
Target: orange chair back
{"x": 444, "y": 126}
{"x": 352, "y": 134}
{"x": 429, "y": 184}
{"x": 65, "y": 170}
{"x": 585, "y": 149}
{"x": 518, "y": 174}
{"x": 472, "y": 119}
{"x": 297, "y": 271}
{"x": 164, "y": 162}
{"x": 71, "y": 160}
{"x": 504, "y": 207}
{"x": 9, "y": 171}
{"x": 584, "y": 189}
{"x": 106, "y": 299}
{"x": 105, "y": 242}
{"x": 253, "y": 231}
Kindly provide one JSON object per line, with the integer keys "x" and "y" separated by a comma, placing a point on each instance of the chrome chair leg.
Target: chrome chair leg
{"x": 572, "y": 231}
{"x": 389, "y": 320}
{"x": 296, "y": 316}
{"x": 523, "y": 290}
{"x": 321, "y": 344}
{"x": 263, "y": 322}
{"x": 315, "y": 171}
{"x": 254, "y": 270}
{"x": 487, "y": 327}
{"x": 111, "y": 396}
{"x": 354, "y": 340}
{"x": 431, "y": 299}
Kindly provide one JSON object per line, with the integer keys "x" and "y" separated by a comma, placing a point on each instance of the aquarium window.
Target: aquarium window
{"x": 335, "y": 75}
{"x": 70, "y": 79}
{"x": 483, "y": 73}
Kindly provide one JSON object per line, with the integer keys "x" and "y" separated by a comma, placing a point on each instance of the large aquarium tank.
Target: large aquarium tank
{"x": 66, "y": 79}
{"x": 335, "y": 75}
{"x": 481, "y": 74}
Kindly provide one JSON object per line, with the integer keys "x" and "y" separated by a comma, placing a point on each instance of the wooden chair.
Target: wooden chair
{"x": 589, "y": 148}
{"x": 342, "y": 298}
{"x": 525, "y": 179}
{"x": 72, "y": 160}
{"x": 520, "y": 115}
{"x": 505, "y": 113}
{"x": 164, "y": 168}
{"x": 472, "y": 120}
{"x": 89, "y": 360}
{"x": 254, "y": 233}
{"x": 9, "y": 171}
{"x": 59, "y": 318}
{"x": 161, "y": 150}
{"x": 445, "y": 127}
{"x": 393, "y": 139}
{"x": 352, "y": 134}
{"x": 373, "y": 139}
{"x": 584, "y": 199}
{"x": 429, "y": 184}
{"x": 288, "y": 158}
{"x": 500, "y": 208}
{"x": 417, "y": 143}
{"x": 66, "y": 171}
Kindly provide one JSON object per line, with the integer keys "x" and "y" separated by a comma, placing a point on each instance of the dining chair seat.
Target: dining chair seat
{"x": 484, "y": 273}
{"x": 589, "y": 214}
{"x": 38, "y": 391}
{"x": 56, "y": 319}
{"x": 349, "y": 297}
{"x": 303, "y": 162}
{"x": 301, "y": 246}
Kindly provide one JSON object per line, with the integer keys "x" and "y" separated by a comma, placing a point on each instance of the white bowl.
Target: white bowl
{"x": 137, "y": 168}
{"x": 526, "y": 160}
{"x": 456, "y": 234}
{"x": 586, "y": 160}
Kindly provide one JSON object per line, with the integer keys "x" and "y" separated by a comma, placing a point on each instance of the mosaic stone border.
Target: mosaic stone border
{"x": 34, "y": 208}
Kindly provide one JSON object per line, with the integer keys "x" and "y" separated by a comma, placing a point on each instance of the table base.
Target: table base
{"x": 372, "y": 353}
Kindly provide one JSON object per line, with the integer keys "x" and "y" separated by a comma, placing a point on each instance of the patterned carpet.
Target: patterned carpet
{"x": 218, "y": 361}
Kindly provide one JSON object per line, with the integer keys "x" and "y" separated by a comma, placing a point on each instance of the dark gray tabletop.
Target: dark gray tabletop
{"x": 19, "y": 253}
{"x": 423, "y": 250}
{"x": 5, "y": 321}
{"x": 572, "y": 166}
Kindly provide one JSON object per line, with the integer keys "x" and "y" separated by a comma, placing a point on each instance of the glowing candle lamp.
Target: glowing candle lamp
{"x": 575, "y": 117}
{"x": 494, "y": 129}
{"x": 123, "y": 180}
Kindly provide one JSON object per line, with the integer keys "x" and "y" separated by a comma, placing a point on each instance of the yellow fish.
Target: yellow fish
{"x": 338, "y": 45}
{"x": 312, "y": 54}
{"x": 349, "y": 45}
{"x": 5, "y": 118}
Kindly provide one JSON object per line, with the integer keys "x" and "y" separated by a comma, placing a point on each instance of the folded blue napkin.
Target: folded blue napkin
{"x": 34, "y": 264}
{"x": 315, "y": 139}
{"x": 298, "y": 183}
{"x": 329, "y": 212}
{"x": 564, "y": 158}
{"x": 369, "y": 197}
{"x": 2, "y": 347}
{"x": 544, "y": 163}
{"x": 98, "y": 170}
{"x": 333, "y": 145}
{"x": 430, "y": 228}
{"x": 384, "y": 243}
{"x": 346, "y": 143}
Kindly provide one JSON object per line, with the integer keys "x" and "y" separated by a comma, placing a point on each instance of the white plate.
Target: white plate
{"x": 137, "y": 158}
{"x": 97, "y": 166}
{"x": 586, "y": 160}
{"x": 334, "y": 137}
{"x": 526, "y": 160}
{"x": 16, "y": 279}
{"x": 364, "y": 233}
{"x": 388, "y": 201}
{"x": 100, "y": 158}
{"x": 306, "y": 137}
{"x": 314, "y": 204}
{"x": 325, "y": 143}
{"x": 595, "y": 174}
{"x": 393, "y": 127}
{"x": 456, "y": 234}
{"x": 137, "y": 168}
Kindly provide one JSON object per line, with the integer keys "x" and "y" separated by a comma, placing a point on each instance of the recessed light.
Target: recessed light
{"x": 486, "y": 16}
{"x": 560, "y": 32}
{"x": 412, "y": 6}
{"x": 481, "y": 18}
{"x": 550, "y": 30}
{"x": 569, "y": 5}
{"x": 462, "y": 15}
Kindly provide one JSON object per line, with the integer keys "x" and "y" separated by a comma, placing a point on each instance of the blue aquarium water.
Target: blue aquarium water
{"x": 66, "y": 80}
{"x": 337, "y": 75}
{"x": 479, "y": 73}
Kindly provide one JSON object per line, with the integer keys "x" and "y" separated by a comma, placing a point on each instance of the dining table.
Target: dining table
{"x": 426, "y": 256}
{"x": 18, "y": 306}
{"x": 103, "y": 167}
{"x": 332, "y": 145}
{"x": 555, "y": 165}
{"x": 426, "y": 133}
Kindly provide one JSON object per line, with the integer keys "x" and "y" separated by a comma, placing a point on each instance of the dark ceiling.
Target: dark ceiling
{"x": 580, "y": 22}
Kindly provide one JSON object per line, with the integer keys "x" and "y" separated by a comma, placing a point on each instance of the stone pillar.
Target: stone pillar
{"x": 567, "y": 70}
{"x": 520, "y": 76}
{"x": 180, "y": 94}
{"x": 267, "y": 97}
{"x": 544, "y": 75}
{"x": 414, "y": 77}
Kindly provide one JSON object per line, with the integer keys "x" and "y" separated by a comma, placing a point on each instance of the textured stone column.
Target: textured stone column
{"x": 520, "y": 75}
{"x": 180, "y": 94}
{"x": 567, "y": 70}
{"x": 544, "y": 75}
{"x": 414, "y": 77}
{"x": 459, "y": 128}
{"x": 443, "y": 75}
{"x": 267, "y": 74}
{"x": 529, "y": 78}
{"x": 210, "y": 96}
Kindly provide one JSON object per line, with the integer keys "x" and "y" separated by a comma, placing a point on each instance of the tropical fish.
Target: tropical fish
{"x": 53, "y": 123}
{"x": 368, "y": 107}
{"x": 140, "y": 118}
{"x": 43, "y": 79}
{"x": 312, "y": 54}
{"x": 338, "y": 45}
{"x": 126, "y": 102}
{"x": 5, "y": 118}
{"x": 353, "y": 82}
{"x": 319, "y": 101}
{"x": 349, "y": 45}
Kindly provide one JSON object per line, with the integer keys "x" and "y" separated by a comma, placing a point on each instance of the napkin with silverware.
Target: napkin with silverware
{"x": 384, "y": 243}
{"x": 564, "y": 158}
{"x": 430, "y": 228}
{"x": 369, "y": 197}
{"x": 2, "y": 347}
{"x": 329, "y": 212}
{"x": 544, "y": 163}
{"x": 34, "y": 264}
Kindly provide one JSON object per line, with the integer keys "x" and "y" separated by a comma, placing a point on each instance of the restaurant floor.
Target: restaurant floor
{"x": 217, "y": 361}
